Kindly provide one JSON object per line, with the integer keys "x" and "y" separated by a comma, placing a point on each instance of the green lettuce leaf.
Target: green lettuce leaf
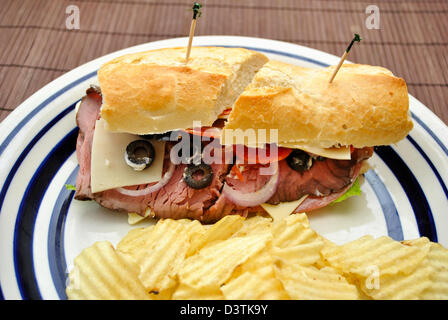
{"x": 70, "y": 187}
{"x": 355, "y": 190}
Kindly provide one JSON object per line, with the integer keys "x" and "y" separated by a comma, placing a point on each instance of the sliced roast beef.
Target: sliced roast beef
{"x": 86, "y": 117}
{"x": 115, "y": 200}
{"x": 325, "y": 177}
{"x": 313, "y": 203}
{"x": 177, "y": 200}
{"x": 223, "y": 207}
{"x": 251, "y": 179}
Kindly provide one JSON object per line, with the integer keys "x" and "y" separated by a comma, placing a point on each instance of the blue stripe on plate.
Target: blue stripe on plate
{"x": 414, "y": 192}
{"x": 55, "y": 243}
{"x": 27, "y": 149}
{"x": 431, "y": 133}
{"x": 393, "y": 223}
{"x": 425, "y": 156}
{"x": 42, "y": 105}
{"x": 29, "y": 207}
{"x": 22, "y": 156}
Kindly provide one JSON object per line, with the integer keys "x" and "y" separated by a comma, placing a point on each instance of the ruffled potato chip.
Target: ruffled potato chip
{"x": 214, "y": 264}
{"x": 310, "y": 283}
{"x": 101, "y": 273}
{"x": 255, "y": 259}
{"x": 389, "y": 256}
{"x": 221, "y": 230}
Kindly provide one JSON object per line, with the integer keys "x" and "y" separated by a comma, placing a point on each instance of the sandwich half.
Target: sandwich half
{"x": 324, "y": 132}
{"x": 155, "y": 92}
{"x": 230, "y": 133}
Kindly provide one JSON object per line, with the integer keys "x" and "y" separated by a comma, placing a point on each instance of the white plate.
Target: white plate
{"x": 42, "y": 229}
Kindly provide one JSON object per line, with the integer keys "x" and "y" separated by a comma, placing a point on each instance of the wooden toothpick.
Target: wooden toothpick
{"x": 196, "y": 14}
{"x": 344, "y": 56}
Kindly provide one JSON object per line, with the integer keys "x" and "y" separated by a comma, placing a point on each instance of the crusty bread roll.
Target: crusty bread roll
{"x": 155, "y": 92}
{"x": 363, "y": 106}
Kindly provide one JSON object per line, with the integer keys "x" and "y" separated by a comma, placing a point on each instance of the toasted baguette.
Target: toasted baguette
{"x": 364, "y": 106}
{"x": 155, "y": 92}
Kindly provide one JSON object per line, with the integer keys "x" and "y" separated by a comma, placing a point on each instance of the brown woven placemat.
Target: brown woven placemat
{"x": 36, "y": 47}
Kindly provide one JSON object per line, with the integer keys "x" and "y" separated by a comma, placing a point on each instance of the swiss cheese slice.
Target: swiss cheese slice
{"x": 341, "y": 153}
{"x": 250, "y": 139}
{"x": 283, "y": 209}
{"x": 134, "y": 218}
{"x": 108, "y": 167}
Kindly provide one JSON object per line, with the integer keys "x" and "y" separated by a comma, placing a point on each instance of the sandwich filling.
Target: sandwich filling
{"x": 207, "y": 192}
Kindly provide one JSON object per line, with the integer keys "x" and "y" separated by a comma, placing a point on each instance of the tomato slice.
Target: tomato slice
{"x": 237, "y": 172}
{"x": 252, "y": 155}
{"x": 226, "y": 112}
{"x": 211, "y": 132}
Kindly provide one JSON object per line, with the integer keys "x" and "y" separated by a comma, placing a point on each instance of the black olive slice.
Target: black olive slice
{"x": 198, "y": 176}
{"x": 299, "y": 160}
{"x": 139, "y": 154}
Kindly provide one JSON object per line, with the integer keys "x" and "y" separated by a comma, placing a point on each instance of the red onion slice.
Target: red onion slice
{"x": 253, "y": 199}
{"x": 153, "y": 188}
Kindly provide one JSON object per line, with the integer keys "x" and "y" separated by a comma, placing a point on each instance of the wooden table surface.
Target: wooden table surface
{"x": 37, "y": 47}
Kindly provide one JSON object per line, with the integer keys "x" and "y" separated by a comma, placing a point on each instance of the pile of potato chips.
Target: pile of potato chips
{"x": 256, "y": 258}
